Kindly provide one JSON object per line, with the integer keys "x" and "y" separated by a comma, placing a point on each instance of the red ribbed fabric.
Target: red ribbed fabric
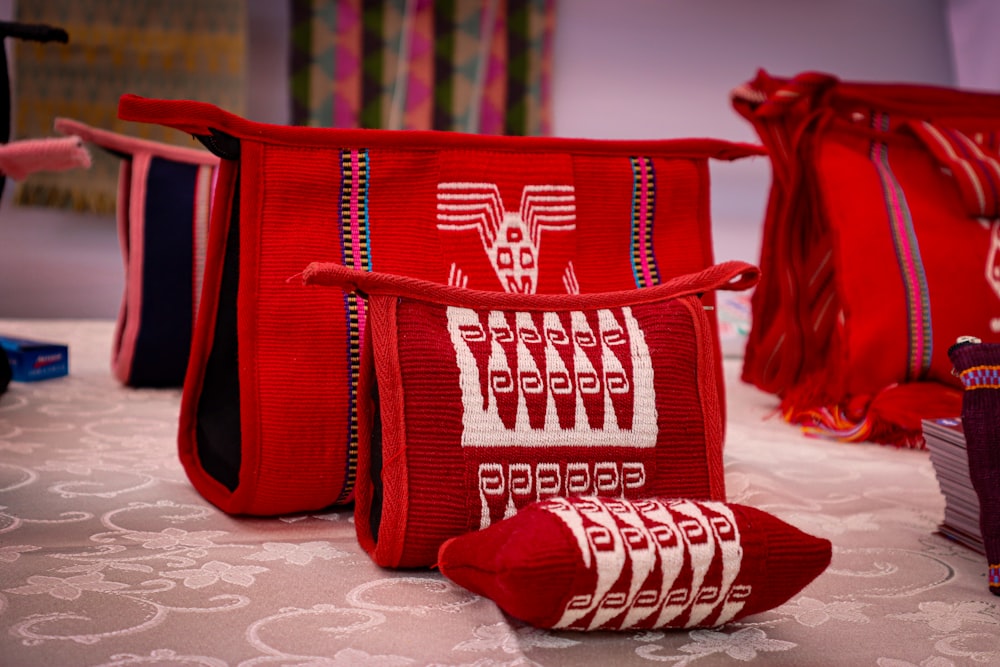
{"x": 591, "y": 563}
{"x": 270, "y": 411}
{"x": 879, "y": 249}
{"x": 489, "y": 401}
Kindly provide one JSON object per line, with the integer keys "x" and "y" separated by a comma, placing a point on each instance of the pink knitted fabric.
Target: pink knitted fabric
{"x": 20, "y": 159}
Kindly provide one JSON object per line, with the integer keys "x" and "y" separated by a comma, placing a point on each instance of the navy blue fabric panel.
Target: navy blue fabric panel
{"x": 5, "y": 372}
{"x": 164, "y": 341}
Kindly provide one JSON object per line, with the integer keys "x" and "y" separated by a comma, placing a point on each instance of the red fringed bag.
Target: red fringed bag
{"x": 881, "y": 246}
{"x": 269, "y": 412}
{"x": 475, "y": 404}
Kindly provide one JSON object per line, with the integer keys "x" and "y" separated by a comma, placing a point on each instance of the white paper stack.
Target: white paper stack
{"x": 946, "y": 443}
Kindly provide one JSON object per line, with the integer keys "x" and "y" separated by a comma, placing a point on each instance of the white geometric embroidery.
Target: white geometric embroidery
{"x": 570, "y": 282}
{"x": 457, "y": 277}
{"x": 506, "y": 488}
{"x": 653, "y": 540}
{"x": 554, "y": 379}
{"x": 511, "y": 239}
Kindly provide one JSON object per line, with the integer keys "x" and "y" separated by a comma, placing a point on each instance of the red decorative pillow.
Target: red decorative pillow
{"x": 484, "y": 402}
{"x": 589, "y": 563}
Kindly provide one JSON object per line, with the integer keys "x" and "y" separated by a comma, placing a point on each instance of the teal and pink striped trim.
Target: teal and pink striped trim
{"x": 644, "y": 266}
{"x": 354, "y": 209}
{"x": 911, "y": 266}
{"x": 355, "y": 254}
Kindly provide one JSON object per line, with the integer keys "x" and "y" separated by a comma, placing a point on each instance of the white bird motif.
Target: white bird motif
{"x": 511, "y": 239}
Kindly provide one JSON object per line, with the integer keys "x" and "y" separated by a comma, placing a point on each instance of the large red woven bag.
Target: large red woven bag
{"x": 269, "y": 412}
{"x": 881, "y": 246}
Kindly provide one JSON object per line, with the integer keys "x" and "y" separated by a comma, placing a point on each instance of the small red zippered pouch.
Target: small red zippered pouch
{"x": 475, "y": 404}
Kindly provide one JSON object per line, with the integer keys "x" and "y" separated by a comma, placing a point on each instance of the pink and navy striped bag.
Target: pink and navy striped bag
{"x": 881, "y": 247}
{"x": 163, "y": 204}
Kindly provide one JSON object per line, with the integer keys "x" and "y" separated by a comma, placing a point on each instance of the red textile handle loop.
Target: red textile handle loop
{"x": 122, "y": 143}
{"x": 733, "y": 276}
{"x": 805, "y": 85}
{"x": 184, "y": 115}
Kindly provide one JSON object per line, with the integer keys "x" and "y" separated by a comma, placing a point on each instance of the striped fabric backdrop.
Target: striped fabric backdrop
{"x": 182, "y": 49}
{"x": 480, "y": 66}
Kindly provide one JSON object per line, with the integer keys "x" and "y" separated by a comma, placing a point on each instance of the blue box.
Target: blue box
{"x": 32, "y": 360}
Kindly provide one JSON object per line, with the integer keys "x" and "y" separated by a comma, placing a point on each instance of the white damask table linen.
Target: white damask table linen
{"x": 109, "y": 557}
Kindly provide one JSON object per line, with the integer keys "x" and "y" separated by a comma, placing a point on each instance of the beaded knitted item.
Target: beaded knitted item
{"x": 475, "y": 404}
{"x": 589, "y": 563}
{"x": 977, "y": 364}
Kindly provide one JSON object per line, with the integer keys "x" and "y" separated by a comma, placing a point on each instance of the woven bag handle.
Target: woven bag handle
{"x": 733, "y": 276}
{"x": 777, "y": 102}
{"x": 770, "y": 97}
{"x": 115, "y": 142}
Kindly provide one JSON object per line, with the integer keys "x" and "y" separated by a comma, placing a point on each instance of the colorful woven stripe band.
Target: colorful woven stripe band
{"x": 354, "y": 242}
{"x": 643, "y": 201}
{"x": 981, "y": 377}
{"x": 911, "y": 266}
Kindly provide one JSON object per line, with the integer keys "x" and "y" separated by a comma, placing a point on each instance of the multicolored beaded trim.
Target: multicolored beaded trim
{"x": 911, "y": 266}
{"x": 981, "y": 377}
{"x": 355, "y": 254}
{"x": 643, "y": 207}
{"x": 995, "y": 579}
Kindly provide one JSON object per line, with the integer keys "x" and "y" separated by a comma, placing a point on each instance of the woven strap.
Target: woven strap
{"x": 972, "y": 164}
{"x": 733, "y": 276}
{"x": 122, "y": 143}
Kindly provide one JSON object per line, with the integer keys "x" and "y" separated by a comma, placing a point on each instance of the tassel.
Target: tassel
{"x": 893, "y": 416}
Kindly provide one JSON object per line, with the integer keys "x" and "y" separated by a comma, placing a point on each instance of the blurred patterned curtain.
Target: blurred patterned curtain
{"x": 478, "y": 66}
{"x": 177, "y": 49}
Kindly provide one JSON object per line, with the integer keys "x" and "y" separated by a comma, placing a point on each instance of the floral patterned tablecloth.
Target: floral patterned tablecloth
{"x": 109, "y": 557}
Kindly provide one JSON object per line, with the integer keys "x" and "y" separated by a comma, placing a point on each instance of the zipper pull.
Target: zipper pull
{"x": 962, "y": 341}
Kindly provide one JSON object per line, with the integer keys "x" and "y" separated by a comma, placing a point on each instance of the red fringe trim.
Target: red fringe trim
{"x": 893, "y": 416}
